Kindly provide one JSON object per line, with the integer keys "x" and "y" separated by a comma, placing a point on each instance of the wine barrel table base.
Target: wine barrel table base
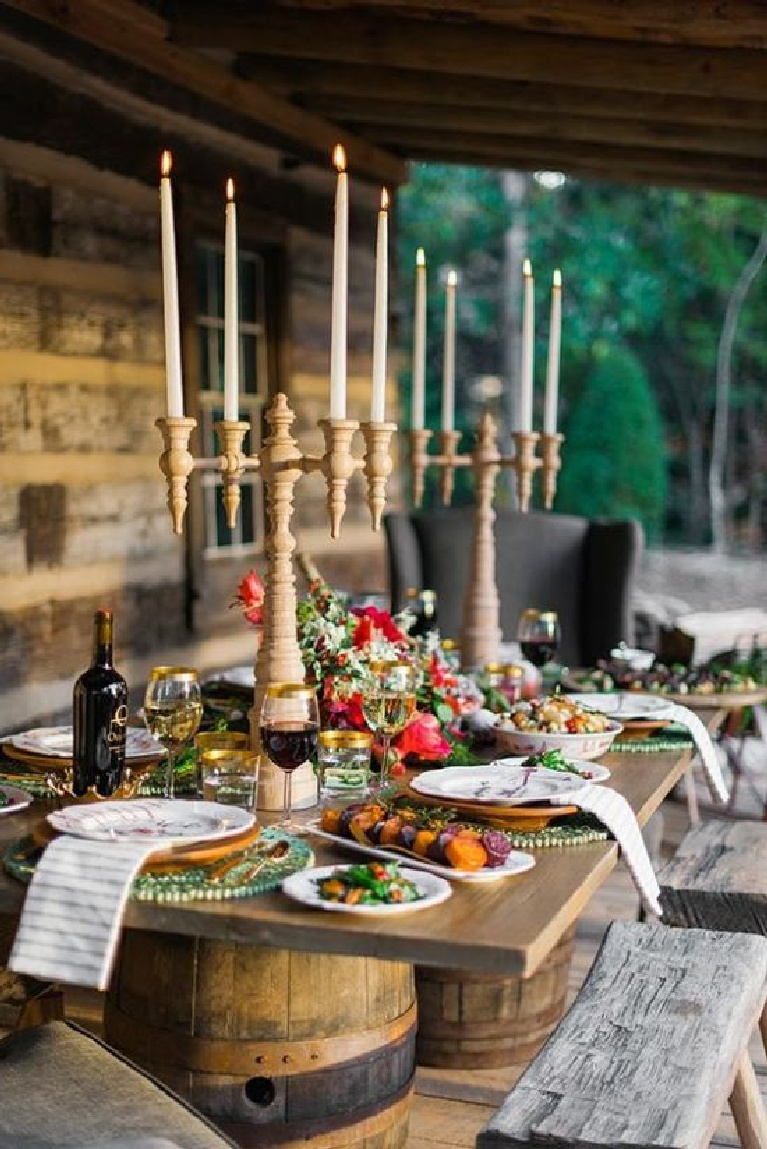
{"x": 278, "y": 1047}
{"x": 479, "y": 1021}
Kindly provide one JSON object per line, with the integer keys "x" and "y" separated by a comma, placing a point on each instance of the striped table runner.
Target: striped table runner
{"x": 73, "y": 911}
{"x": 612, "y": 809}
{"x": 706, "y": 750}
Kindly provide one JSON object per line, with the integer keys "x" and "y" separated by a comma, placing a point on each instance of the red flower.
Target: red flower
{"x": 372, "y": 619}
{"x": 250, "y": 596}
{"x": 423, "y": 738}
{"x": 344, "y": 713}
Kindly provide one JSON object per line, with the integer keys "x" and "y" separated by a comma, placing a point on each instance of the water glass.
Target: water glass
{"x": 229, "y": 776}
{"x": 217, "y": 740}
{"x": 343, "y": 764}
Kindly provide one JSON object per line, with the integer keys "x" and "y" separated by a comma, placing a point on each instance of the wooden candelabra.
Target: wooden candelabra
{"x": 281, "y": 463}
{"x": 481, "y": 630}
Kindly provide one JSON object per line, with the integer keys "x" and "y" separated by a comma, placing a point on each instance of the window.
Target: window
{"x": 247, "y": 535}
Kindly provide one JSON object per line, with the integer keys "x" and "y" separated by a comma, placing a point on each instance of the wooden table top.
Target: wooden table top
{"x": 504, "y": 927}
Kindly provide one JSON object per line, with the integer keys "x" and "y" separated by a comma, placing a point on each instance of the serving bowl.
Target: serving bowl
{"x": 573, "y": 746}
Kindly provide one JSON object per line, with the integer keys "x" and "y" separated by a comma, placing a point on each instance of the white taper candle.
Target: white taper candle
{"x": 231, "y": 311}
{"x": 528, "y": 347}
{"x": 419, "y": 341}
{"x": 338, "y": 327}
{"x": 552, "y": 369}
{"x": 448, "y": 369}
{"x": 173, "y": 383}
{"x": 380, "y": 314}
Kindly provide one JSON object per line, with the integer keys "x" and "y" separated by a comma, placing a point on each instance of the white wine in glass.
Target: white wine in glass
{"x": 172, "y": 711}
{"x": 388, "y": 703}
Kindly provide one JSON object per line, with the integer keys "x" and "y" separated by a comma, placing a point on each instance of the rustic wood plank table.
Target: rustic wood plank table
{"x": 294, "y": 1026}
{"x": 504, "y": 927}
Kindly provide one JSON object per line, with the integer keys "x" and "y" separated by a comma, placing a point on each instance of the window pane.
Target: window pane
{"x": 247, "y": 513}
{"x": 216, "y": 379}
{"x": 201, "y": 271}
{"x": 248, "y": 369}
{"x": 246, "y": 272}
{"x": 217, "y": 284}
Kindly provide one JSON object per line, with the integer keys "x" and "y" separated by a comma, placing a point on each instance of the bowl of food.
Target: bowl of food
{"x": 557, "y": 723}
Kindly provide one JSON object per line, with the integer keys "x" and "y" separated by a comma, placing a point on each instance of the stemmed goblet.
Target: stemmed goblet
{"x": 539, "y": 635}
{"x": 289, "y": 727}
{"x": 389, "y": 702}
{"x": 172, "y": 711}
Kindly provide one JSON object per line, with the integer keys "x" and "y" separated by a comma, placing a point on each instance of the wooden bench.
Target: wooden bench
{"x": 652, "y": 1047}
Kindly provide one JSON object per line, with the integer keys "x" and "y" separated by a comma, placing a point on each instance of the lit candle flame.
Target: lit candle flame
{"x": 384, "y": 199}
{"x": 230, "y": 190}
{"x": 420, "y": 257}
{"x": 339, "y": 158}
{"x": 452, "y": 278}
{"x": 557, "y": 279}
{"x": 166, "y": 163}
{"x": 527, "y": 267}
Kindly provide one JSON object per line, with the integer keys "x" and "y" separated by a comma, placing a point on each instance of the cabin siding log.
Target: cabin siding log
{"x": 649, "y": 1050}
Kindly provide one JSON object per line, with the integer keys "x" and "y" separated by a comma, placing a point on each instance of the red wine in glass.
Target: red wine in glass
{"x": 539, "y": 651}
{"x": 289, "y": 743}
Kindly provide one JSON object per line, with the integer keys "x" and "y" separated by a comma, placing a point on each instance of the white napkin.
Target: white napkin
{"x": 613, "y": 810}
{"x": 706, "y": 749}
{"x": 71, "y": 919}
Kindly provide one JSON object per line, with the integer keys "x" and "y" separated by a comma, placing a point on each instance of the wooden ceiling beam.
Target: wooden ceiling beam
{"x": 713, "y": 23}
{"x": 313, "y": 80}
{"x": 477, "y": 50}
{"x": 128, "y": 31}
{"x": 557, "y": 154}
{"x": 361, "y": 113}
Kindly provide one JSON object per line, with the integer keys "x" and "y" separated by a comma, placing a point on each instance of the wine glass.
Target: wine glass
{"x": 289, "y": 728}
{"x": 388, "y": 702}
{"x": 539, "y": 635}
{"x": 172, "y": 711}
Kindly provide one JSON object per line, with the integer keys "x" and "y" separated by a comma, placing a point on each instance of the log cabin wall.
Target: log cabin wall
{"x": 83, "y": 520}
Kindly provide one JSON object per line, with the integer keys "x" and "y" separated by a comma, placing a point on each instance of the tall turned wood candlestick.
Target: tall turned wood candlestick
{"x": 281, "y": 463}
{"x": 481, "y": 628}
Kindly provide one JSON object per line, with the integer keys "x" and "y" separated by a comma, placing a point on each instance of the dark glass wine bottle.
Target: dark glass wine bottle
{"x": 100, "y": 706}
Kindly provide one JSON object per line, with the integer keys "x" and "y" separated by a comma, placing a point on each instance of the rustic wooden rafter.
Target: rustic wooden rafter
{"x": 716, "y": 23}
{"x": 477, "y": 50}
{"x": 132, "y": 33}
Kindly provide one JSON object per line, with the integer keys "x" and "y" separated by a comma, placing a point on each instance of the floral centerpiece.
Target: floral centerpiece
{"x": 338, "y": 644}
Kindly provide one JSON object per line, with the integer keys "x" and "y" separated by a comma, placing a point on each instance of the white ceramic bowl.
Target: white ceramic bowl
{"x": 633, "y": 657}
{"x": 573, "y": 746}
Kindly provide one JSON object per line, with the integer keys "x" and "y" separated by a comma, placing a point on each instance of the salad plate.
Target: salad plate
{"x": 588, "y": 771}
{"x": 516, "y": 861}
{"x": 166, "y": 821}
{"x": 508, "y": 784}
{"x": 307, "y": 885}
{"x": 56, "y": 742}
{"x": 626, "y": 706}
{"x": 13, "y": 799}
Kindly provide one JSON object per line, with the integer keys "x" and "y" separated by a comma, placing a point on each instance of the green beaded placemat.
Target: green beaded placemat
{"x": 575, "y": 830}
{"x": 195, "y": 883}
{"x": 652, "y": 745}
{"x": 184, "y": 783}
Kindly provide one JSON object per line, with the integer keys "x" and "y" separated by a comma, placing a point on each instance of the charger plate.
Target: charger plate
{"x": 192, "y": 883}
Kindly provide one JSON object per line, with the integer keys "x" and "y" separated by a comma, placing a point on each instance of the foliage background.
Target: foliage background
{"x": 647, "y": 274}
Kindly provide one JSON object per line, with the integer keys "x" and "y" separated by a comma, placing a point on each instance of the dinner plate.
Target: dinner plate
{"x": 166, "y": 821}
{"x": 516, "y": 862}
{"x": 498, "y": 785}
{"x": 56, "y": 742}
{"x": 589, "y": 771}
{"x": 302, "y": 887}
{"x": 14, "y": 799}
{"x": 626, "y": 706}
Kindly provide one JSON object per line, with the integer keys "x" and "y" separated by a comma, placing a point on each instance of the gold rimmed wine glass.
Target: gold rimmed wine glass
{"x": 289, "y": 727}
{"x": 172, "y": 711}
{"x": 389, "y": 702}
{"x": 538, "y": 634}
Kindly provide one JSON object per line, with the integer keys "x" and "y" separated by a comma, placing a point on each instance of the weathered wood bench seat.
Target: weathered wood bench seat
{"x": 650, "y": 1050}
{"x": 717, "y": 880}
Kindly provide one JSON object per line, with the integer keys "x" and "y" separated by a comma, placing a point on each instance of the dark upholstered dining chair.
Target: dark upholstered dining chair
{"x": 584, "y": 569}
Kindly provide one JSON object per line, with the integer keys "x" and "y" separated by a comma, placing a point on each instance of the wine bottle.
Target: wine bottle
{"x": 100, "y": 713}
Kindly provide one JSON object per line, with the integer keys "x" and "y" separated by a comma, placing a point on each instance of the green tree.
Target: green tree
{"x": 614, "y": 465}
